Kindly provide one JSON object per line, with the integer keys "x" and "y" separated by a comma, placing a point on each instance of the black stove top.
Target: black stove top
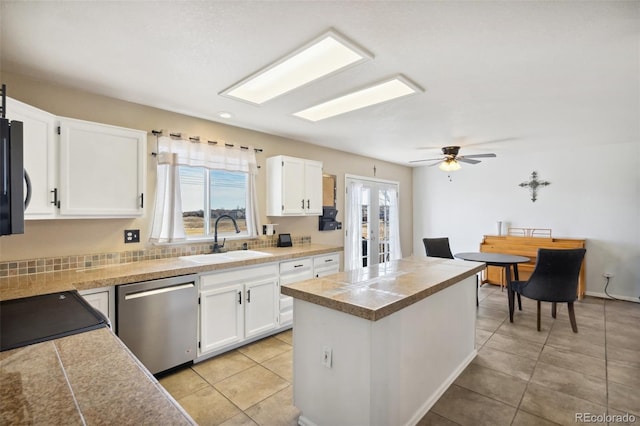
{"x": 49, "y": 316}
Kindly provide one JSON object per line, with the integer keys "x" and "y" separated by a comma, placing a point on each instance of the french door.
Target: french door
{"x": 372, "y": 229}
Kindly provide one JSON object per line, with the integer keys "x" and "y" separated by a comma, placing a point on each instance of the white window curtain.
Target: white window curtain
{"x": 394, "y": 225}
{"x": 167, "y": 218}
{"x": 167, "y": 226}
{"x": 353, "y": 240}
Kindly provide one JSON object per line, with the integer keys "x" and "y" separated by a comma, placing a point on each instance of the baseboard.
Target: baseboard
{"x": 303, "y": 421}
{"x": 424, "y": 408}
{"x": 613, "y": 296}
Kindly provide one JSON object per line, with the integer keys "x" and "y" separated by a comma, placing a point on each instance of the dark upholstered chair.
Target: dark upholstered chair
{"x": 439, "y": 247}
{"x": 554, "y": 279}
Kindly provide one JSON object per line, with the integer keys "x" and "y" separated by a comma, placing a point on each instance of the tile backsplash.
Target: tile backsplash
{"x": 49, "y": 264}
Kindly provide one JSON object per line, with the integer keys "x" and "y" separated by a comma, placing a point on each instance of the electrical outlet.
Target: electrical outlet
{"x": 131, "y": 236}
{"x": 327, "y": 355}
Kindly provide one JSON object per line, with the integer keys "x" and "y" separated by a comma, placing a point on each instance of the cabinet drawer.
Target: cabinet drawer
{"x": 237, "y": 276}
{"x": 326, "y": 261}
{"x": 294, "y": 266}
{"x": 286, "y": 303}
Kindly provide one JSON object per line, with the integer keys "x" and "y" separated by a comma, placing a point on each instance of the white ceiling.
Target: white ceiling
{"x": 497, "y": 75}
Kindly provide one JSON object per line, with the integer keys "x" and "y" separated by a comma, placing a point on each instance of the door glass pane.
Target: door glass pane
{"x": 365, "y": 229}
{"x": 383, "y": 226}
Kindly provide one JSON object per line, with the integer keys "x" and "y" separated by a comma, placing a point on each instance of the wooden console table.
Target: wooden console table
{"x": 526, "y": 246}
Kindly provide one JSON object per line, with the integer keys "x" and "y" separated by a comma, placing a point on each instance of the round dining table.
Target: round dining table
{"x": 505, "y": 261}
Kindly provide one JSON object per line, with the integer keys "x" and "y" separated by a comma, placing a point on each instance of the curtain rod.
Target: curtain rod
{"x": 196, "y": 139}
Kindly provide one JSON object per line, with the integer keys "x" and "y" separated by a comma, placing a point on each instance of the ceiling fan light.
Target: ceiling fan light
{"x": 449, "y": 166}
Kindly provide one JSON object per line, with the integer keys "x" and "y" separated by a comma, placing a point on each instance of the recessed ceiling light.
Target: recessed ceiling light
{"x": 319, "y": 58}
{"x": 377, "y": 93}
{"x": 225, "y": 114}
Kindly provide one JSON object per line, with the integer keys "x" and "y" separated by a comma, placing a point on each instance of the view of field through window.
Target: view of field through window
{"x": 226, "y": 193}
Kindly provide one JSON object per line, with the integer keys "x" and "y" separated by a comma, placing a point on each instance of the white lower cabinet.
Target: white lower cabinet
{"x": 244, "y": 304}
{"x": 326, "y": 265}
{"x": 102, "y": 299}
{"x": 221, "y": 317}
{"x": 237, "y": 305}
{"x": 292, "y": 271}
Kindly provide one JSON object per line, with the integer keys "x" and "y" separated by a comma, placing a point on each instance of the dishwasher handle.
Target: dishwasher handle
{"x": 147, "y": 293}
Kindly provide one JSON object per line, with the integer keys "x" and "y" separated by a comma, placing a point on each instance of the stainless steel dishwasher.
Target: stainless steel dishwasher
{"x": 157, "y": 320}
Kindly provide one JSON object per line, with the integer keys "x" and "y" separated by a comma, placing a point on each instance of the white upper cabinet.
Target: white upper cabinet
{"x": 80, "y": 169}
{"x": 40, "y": 157}
{"x": 294, "y": 186}
{"x": 101, "y": 170}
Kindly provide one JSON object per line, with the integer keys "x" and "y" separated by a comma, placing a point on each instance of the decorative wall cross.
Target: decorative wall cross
{"x": 533, "y": 185}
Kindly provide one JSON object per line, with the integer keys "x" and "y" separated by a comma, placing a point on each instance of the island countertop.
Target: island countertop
{"x": 380, "y": 290}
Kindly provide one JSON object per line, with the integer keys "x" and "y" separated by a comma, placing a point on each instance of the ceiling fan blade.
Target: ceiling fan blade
{"x": 467, "y": 160}
{"x": 427, "y": 159}
{"x": 479, "y": 155}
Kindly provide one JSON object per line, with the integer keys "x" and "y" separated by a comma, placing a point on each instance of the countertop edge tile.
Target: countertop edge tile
{"x": 312, "y": 290}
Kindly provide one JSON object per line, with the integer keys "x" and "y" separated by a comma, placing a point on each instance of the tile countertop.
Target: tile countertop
{"x": 103, "y": 276}
{"x": 377, "y": 291}
{"x": 86, "y": 378}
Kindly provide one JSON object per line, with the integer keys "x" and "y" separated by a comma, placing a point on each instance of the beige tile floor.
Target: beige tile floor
{"x": 520, "y": 376}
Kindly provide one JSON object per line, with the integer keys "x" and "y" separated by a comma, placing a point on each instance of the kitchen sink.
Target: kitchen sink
{"x": 230, "y": 256}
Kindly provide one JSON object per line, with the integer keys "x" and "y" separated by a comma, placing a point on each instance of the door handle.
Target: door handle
{"x": 55, "y": 196}
{"x": 303, "y": 204}
{"x": 27, "y": 180}
{"x": 248, "y": 296}
{"x": 308, "y": 206}
{"x": 239, "y": 298}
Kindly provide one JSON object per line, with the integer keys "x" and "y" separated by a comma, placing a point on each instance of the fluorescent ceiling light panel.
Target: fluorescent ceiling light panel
{"x": 387, "y": 90}
{"x": 319, "y": 58}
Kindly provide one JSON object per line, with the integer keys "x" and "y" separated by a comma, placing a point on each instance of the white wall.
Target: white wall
{"x": 594, "y": 194}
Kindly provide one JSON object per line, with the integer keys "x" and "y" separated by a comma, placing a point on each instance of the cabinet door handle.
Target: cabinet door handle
{"x": 239, "y": 298}
{"x": 303, "y": 204}
{"x": 248, "y": 296}
{"x": 308, "y": 207}
{"x": 298, "y": 266}
{"x": 142, "y": 200}
{"x": 328, "y": 260}
{"x": 55, "y": 196}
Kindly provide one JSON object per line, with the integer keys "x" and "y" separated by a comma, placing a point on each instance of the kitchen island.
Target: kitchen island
{"x": 379, "y": 345}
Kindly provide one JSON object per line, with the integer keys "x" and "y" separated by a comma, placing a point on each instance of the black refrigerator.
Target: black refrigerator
{"x": 12, "y": 178}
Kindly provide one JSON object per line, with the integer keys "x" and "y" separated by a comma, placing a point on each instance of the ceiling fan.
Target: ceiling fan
{"x": 451, "y": 160}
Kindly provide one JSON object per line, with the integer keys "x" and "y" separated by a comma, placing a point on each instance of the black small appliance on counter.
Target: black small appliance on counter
{"x": 284, "y": 240}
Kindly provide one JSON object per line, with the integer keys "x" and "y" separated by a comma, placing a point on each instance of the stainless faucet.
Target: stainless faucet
{"x": 216, "y": 247}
